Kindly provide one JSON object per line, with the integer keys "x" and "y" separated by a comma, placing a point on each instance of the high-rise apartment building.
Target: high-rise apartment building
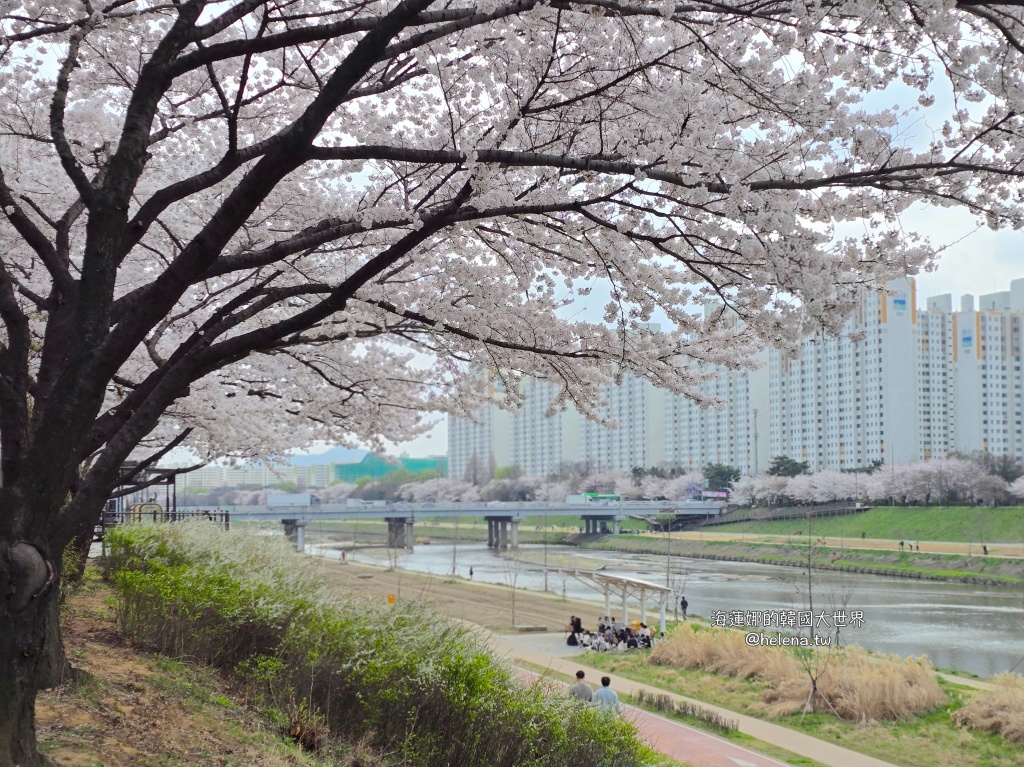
{"x": 899, "y": 384}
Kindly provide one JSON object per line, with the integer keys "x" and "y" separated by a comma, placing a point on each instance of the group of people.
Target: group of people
{"x": 604, "y": 697}
{"x": 609, "y": 635}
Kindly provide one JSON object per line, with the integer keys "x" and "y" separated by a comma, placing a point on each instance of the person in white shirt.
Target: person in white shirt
{"x": 606, "y": 698}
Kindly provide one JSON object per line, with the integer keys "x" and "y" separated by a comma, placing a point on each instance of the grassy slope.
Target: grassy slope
{"x": 956, "y": 523}
{"x": 131, "y": 708}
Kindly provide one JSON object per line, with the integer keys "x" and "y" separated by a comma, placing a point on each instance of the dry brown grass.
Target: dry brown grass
{"x": 854, "y": 685}
{"x": 723, "y": 652}
{"x": 1001, "y": 710}
{"x": 861, "y": 687}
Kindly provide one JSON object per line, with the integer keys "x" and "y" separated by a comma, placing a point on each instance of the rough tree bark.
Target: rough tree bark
{"x": 26, "y": 578}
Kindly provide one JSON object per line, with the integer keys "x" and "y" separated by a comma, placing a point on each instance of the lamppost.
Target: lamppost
{"x": 668, "y": 556}
{"x": 544, "y": 536}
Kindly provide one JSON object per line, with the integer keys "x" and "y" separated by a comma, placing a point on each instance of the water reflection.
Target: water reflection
{"x": 973, "y": 628}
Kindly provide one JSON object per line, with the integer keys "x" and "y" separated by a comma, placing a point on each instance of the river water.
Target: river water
{"x": 972, "y": 628}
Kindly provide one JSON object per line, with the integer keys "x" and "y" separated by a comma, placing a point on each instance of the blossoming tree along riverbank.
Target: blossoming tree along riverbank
{"x": 245, "y": 225}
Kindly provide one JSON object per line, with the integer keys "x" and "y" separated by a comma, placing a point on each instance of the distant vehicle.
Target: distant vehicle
{"x": 291, "y": 500}
{"x": 593, "y": 498}
{"x": 111, "y": 517}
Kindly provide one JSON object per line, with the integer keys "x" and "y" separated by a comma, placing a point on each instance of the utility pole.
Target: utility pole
{"x": 668, "y": 557}
{"x": 757, "y": 470}
{"x": 544, "y": 534}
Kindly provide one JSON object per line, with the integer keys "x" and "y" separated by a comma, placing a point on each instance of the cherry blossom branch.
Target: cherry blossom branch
{"x": 253, "y": 188}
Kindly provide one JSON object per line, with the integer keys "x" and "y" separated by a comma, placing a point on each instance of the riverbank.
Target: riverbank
{"x": 924, "y": 565}
{"x": 937, "y": 561}
{"x": 973, "y": 526}
{"x": 917, "y": 742}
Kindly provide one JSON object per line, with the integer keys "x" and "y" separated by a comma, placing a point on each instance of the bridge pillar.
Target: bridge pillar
{"x": 491, "y": 543}
{"x": 400, "y": 535}
{"x": 502, "y": 534}
{"x": 514, "y": 536}
{"x": 617, "y": 526}
{"x": 587, "y": 525}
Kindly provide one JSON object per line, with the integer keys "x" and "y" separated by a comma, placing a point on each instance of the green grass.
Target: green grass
{"x": 946, "y": 523}
{"x": 343, "y": 664}
{"x": 739, "y": 738}
{"x": 920, "y": 742}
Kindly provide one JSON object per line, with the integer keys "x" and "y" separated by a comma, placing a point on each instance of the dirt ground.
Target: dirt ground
{"x": 933, "y": 547}
{"x": 131, "y": 710}
{"x": 481, "y": 603}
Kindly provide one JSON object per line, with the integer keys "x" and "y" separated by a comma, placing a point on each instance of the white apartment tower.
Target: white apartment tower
{"x": 736, "y": 435}
{"x": 846, "y": 401}
{"x": 986, "y": 373}
{"x": 899, "y": 384}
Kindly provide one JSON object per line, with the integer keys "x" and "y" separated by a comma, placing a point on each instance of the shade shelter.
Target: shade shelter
{"x": 624, "y": 589}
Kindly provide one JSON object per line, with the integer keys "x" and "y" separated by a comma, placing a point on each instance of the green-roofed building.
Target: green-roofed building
{"x": 375, "y": 467}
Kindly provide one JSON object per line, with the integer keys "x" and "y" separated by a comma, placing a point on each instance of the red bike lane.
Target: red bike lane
{"x": 680, "y": 741}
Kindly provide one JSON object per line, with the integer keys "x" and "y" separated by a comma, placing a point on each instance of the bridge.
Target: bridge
{"x": 502, "y": 518}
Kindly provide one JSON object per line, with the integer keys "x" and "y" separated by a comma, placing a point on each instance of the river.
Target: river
{"x": 979, "y": 629}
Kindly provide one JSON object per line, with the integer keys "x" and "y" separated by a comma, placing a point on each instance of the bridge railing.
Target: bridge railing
{"x": 112, "y": 518}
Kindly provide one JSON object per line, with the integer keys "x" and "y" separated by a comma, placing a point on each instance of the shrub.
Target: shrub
{"x": 710, "y": 719}
{"x": 723, "y": 651}
{"x": 856, "y": 685}
{"x": 401, "y": 678}
{"x": 862, "y": 687}
{"x": 1001, "y": 710}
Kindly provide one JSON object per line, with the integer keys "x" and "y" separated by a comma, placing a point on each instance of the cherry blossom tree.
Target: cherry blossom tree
{"x": 801, "y": 488}
{"x": 744, "y": 492}
{"x": 688, "y": 485}
{"x": 248, "y": 225}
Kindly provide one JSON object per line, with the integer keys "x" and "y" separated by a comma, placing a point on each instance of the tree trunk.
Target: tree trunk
{"x": 54, "y": 668}
{"x": 20, "y": 641}
{"x": 22, "y": 632}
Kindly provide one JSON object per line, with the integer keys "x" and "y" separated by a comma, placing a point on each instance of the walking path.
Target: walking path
{"x": 1006, "y": 550}
{"x": 680, "y": 741}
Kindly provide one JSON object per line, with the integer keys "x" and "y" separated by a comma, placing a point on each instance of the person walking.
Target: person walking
{"x": 581, "y": 690}
{"x": 683, "y": 605}
{"x": 606, "y": 698}
{"x": 471, "y": 572}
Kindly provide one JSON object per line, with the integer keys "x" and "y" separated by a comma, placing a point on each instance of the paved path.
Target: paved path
{"x": 681, "y": 742}
{"x": 686, "y": 743}
{"x": 966, "y": 548}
